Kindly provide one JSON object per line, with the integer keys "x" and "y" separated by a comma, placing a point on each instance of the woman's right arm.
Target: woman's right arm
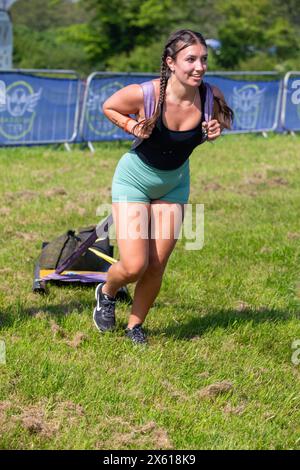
{"x": 128, "y": 100}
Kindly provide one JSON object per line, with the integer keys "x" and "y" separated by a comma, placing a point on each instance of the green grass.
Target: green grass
{"x": 226, "y": 313}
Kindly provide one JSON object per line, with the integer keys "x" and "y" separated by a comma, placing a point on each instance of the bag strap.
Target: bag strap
{"x": 209, "y": 102}
{"x": 149, "y": 98}
{"x": 149, "y": 104}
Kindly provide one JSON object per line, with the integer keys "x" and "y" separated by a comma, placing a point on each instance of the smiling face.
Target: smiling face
{"x": 190, "y": 64}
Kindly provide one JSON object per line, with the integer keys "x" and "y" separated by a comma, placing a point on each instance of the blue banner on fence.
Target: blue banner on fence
{"x": 291, "y": 119}
{"x": 96, "y": 126}
{"x": 36, "y": 110}
{"x": 255, "y": 104}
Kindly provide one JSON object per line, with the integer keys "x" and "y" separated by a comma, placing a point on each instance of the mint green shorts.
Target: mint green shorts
{"x": 135, "y": 181}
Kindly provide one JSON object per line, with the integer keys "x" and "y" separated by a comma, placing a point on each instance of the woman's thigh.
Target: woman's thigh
{"x": 131, "y": 221}
{"x": 166, "y": 222}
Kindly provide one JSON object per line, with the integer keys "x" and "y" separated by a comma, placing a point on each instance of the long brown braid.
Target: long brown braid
{"x": 178, "y": 41}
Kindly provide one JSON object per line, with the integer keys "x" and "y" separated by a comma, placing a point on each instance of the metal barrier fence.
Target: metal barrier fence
{"x": 55, "y": 106}
{"x": 256, "y": 104}
{"x": 94, "y": 126}
{"x": 39, "y": 106}
{"x": 290, "y": 110}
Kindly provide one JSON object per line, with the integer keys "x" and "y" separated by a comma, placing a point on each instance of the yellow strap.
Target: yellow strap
{"x": 107, "y": 258}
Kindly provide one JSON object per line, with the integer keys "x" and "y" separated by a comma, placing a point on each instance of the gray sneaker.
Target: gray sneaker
{"x": 136, "y": 334}
{"x": 104, "y": 312}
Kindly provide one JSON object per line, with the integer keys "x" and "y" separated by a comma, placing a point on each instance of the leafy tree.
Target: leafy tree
{"x": 49, "y": 34}
{"x": 40, "y": 15}
{"x": 118, "y": 26}
{"x": 253, "y": 27}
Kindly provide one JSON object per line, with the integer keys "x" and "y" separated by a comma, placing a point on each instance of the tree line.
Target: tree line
{"x": 129, "y": 35}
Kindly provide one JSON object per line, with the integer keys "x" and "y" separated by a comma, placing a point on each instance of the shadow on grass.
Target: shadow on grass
{"x": 195, "y": 325}
{"x": 17, "y": 314}
{"x": 222, "y": 318}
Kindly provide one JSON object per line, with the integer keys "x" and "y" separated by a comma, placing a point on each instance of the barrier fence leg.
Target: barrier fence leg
{"x": 67, "y": 147}
{"x": 265, "y": 135}
{"x": 90, "y": 146}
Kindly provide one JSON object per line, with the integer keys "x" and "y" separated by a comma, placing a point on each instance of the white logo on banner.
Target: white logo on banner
{"x": 96, "y": 120}
{"x": 21, "y": 101}
{"x": 246, "y": 105}
{"x": 296, "y": 95}
{"x": 2, "y": 93}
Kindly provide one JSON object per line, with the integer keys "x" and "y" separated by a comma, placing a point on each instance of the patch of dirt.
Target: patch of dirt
{"x": 242, "y": 306}
{"x": 25, "y": 195}
{"x": 33, "y": 420}
{"x": 195, "y": 338}
{"x": 173, "y": 392}
{"x": 258, "y": 179}
{"x": 39, "y": 315}
{"x": 203, "y": 375}
{"x": 213, "y": 390}
{"x": 268, "y": 416}
{"x": 147, "y": 434}
{"x": 212, "y": 187}
{"x": 28, "y": 236}
{"x": 55, "y": 192}
{"x": 265, "y": 249}
{"x": 293, "y": 235}
{"x": 73, "y": 207}
{"x": 38, "y": 418}
{"x": 57, "y": 330}
{"x": 234, "y": 410}
{"x": 5, "y": 271}
{"x": 4, "y": 211}
{"x": 104, "y": 164}
{"x": 77, "y": 340}
{"x": 277, "y": 181}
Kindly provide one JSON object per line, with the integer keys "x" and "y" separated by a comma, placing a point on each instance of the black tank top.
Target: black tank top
{"x": 168, "y": 150}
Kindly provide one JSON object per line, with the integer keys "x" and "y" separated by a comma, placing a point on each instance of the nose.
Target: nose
{"x": 199, "y": 65}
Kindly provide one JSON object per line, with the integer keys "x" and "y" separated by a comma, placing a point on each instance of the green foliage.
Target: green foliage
{"x": 50, "y": 49}
{"x": 140, "y": 59}
{"x": 40, "y": 15}
{"x": 129, "y": 35}
{"x": 255, "y": 28}
{"x": 118, "y": 26}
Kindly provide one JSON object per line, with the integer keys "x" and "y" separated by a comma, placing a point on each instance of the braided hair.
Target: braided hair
{"x": 178, "y": 41}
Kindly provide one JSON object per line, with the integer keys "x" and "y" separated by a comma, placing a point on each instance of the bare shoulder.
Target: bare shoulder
{"x": 217, "y": 92}
{"x": 127, "y": 100}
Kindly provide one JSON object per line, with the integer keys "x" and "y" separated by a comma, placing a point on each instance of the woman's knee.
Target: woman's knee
{"x": 133, "y": 271}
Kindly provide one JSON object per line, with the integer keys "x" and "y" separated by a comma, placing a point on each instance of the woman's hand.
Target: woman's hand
{"x": 213, "y": 129}
{"x": 137, "y": 131}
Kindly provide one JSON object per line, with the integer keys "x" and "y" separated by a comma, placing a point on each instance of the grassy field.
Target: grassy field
{"x": 218, "y": 371}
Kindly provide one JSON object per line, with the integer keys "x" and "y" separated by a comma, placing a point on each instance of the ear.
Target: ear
{"x": 170, "y": 62}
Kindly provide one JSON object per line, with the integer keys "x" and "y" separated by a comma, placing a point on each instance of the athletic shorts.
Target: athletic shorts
{"x": 135, "y": 181}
